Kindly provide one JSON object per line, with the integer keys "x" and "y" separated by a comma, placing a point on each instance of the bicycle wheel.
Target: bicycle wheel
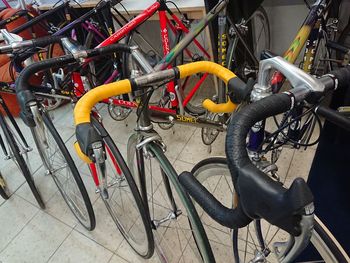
{"x": 177, "y": 230}
{"x": 321, "y": 63}
{"x": 16, "y": 156}
{"x": 256, "y": 35}
{"x": 4, "y": 191}
{"x": 260, "y": 240}
{"x": 124, "y": 202}
{"x": 256, "y": 242}
{"x": 344, "y": 40}
{"x": 214, "y": 175}
{"x": 60, "y": 165}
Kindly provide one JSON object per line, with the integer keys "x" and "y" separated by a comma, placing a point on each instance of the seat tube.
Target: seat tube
{"x": 222, "y": 51}
{"x": 166, "y": 49}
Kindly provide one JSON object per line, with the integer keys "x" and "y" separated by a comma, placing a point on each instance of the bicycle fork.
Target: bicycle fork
{"x": 39, "y": 134}
{"x": 142, "y": 149}
{"x": 99, "y": 171}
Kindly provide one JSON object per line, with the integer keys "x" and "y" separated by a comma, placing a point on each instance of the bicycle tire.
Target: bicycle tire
{"x": 214, "y": 175}
{"x": 114, "y": 155}
{"x": 238, "y": 60}
{"x": 23, "y": 167}
{"x": 4, "y": 192}
{"x": 89, "y": 222}
{"x": 183, "y": 223}
{"x": 322, "y": 238}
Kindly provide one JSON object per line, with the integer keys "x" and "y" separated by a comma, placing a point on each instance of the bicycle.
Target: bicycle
{"x": 257, "y": 196}
{"x": 144, "y": 144}
{"x": 89, "y": 33}
{"x": 56, "y": 159}
{"x": 316, "y": 32}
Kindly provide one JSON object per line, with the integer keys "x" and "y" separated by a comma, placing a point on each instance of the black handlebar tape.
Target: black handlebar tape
{"x": 259, "y": 195}
{"x": 39, "y": 18}
{"x": 40, "y": 42}
{"x": 338, "y": 47}
{"x": 24, "y": 95}
{"x": 343, "y": 77}
{"x": 238, "y": 90}
{"x": 45, "y": 41}
{"x": 334, "y": 117}
{"x": 108, "y": 50}
{"x": 231, "y": 218}
{"x": 241, "y": 124}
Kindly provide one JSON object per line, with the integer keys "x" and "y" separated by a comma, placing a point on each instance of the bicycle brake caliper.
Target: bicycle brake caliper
{"x": 99, "y": 156}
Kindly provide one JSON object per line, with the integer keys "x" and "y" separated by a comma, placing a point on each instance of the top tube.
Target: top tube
{"x": 168, "y": 59}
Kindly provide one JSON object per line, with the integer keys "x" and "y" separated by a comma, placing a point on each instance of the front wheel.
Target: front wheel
{"x": 259, "y": 241}
{"x": 17, "y": 157}
{"x": 176, "y": 225}
{"x": 215, "y": 176}
{"x": 61, "y": 167}
{"x": 256, "y": 36}
{"x": 124, "y": 202}
{"x": 4, "y": 191}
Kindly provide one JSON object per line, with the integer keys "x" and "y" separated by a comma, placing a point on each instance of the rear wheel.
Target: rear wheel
{"x": 61, "y": 167}
{"x": 256, "y": 35}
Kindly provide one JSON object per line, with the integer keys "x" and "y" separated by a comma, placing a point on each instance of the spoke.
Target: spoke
{"x": 246, "y": 245}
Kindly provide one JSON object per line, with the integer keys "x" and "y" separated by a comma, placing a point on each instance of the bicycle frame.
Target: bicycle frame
{"x": 306, "y": 34}
{"x": 169, "y": 55}
{"x": 26, "y": 148}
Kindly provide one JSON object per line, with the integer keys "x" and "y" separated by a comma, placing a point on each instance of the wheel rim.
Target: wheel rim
{"x": 122, "y": 206}
{"x": 217, "y": 179}
{"x": 173, "y": 237}
{"x": 63, "y": 177}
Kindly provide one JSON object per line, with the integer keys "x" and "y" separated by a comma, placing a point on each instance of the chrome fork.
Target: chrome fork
{"x": 99, "y": 156}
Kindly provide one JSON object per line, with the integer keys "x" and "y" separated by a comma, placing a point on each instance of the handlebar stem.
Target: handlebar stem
{"x": 301, "y": 81}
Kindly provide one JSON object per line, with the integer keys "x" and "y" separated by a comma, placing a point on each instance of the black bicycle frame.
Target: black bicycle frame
{"x": 14, "y": 124}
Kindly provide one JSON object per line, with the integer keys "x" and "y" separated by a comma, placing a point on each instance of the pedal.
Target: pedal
{"x": 172, "y": 215}
{"x": 28, "y": 149}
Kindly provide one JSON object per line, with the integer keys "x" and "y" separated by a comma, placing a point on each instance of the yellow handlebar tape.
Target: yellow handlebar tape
{"x": 210, "y": 67}
{"x": 87, "y": 102}
{"x": 80, "y": 153}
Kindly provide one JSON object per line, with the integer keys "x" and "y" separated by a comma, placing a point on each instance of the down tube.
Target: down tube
{"x": 200, "y": 235}
{"x": 177, "y": 50}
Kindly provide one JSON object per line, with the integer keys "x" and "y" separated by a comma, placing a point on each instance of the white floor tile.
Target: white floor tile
{"x": 106, "y": 232}
{"x": 15, "y": 213}
{"x": 78, "y": 248}
{"x": 37, "y": 241}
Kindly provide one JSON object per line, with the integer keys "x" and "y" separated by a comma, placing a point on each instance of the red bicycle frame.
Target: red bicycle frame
{"x": 123, "y": 32}
{"x": 164, "y": 22}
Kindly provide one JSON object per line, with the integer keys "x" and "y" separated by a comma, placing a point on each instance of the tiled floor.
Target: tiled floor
{"x": 28, "y": 234}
